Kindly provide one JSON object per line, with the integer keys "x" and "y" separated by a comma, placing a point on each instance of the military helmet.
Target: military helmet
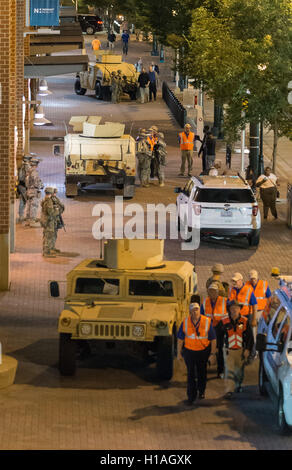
{"x": 26, "y": 158}
{"x": 153, "y": 128}
{"x": 49, "y": 190}
{"x": 34, "y": 161}
{"x": 218, "y": 268}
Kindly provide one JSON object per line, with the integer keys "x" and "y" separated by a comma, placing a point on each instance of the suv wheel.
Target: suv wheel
{"x": 262, "y": 379}
{"x": 98, "y": 91}
{"x": 281, "y": 420}
{"x": 90, "y": 30}
{"x": 254, "y": 240}
{"x": 165, "y": 355}
{"x": 67, "y": 354}
{"x": 78, "y": 89}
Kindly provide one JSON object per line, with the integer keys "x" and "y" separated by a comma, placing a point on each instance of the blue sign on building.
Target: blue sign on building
{"x": 44, "y": 12}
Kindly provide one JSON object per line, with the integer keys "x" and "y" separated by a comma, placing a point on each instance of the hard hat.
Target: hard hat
{"x": 237, "y": 277}
{"x": 253, "y": 274}
{"x": 217, "y": 268}
{"x": 188, "y": 125}
{"x": 49, "y": 190}
{"x": 275, "y": 272}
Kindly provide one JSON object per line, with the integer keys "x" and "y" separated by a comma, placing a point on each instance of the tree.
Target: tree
{"x": 243, "y": 50}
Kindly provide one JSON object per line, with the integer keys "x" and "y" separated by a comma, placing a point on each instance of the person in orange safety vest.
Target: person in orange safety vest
{"x": 196, "y": 341}
{"x": 186, "y": 141}
{"x": 235, "y": 334}
{"x": 96, "y": 44}
{"x": 215, "y": 308}
{"x": 244, "y": 296}
{"x": 261, "y": 292}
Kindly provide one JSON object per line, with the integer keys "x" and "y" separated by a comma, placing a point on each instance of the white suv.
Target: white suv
{"x": 275, "y": 352}
{"x": 222, "y": 206}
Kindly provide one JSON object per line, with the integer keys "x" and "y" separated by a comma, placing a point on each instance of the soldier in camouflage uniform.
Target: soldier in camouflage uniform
{"x": 34, "y": 185}
{"x": 120, "y": 86}
{"x": 59, "y": 220}
{"x": 160, "y": 153}
{"x": 114, "y": 87}
{"x": 21, "y": 187}
{"x": 218, "y": 270}
{"x": 49, "y": 217}
{"x": 144, "y": 155}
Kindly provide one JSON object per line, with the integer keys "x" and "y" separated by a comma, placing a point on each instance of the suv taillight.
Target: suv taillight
{"x": 99, "y": 22}
{"x": 197, "y": 209}
{"x": 255, "y": 210}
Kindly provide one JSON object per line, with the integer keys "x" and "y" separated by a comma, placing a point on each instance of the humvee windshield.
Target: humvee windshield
{"x": 150, "y": 287}
{"x": 97, "y": 286}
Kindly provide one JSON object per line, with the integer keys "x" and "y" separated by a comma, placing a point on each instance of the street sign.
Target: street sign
{"x": 44, "y": 12}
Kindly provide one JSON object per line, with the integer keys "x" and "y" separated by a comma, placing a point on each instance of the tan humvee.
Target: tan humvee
{"x": 98, "y": 76}
{"x": 132, "y": 295}
{"x": 101, "y": 153}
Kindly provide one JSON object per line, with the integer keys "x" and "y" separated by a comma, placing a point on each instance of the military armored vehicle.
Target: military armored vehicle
{"x": 102, "y": 153}
{"x": 98, "y": 76}
{"x": 131, "y": 296}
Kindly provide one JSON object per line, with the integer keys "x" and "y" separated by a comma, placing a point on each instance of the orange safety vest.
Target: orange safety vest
{"x": 235, "y": 337}
{"x": 243, "y": 297}
{"x": 194, "y": 341}
{"x": 187, "y": 141}
{"x": 151, "y": 142}
{"x": 260, "y": 293}
{"x": 218, "y": 312}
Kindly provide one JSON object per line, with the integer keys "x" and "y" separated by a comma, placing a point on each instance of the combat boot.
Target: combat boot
{"x": 161, "y": 184}
{"x": 55, "y": 250}
{"x": 48, "y": 254}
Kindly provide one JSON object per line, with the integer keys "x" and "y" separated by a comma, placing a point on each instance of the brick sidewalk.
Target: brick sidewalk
{"x": 115, "y": 402}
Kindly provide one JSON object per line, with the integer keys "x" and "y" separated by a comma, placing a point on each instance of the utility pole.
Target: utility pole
{"x": 254, "y": 147}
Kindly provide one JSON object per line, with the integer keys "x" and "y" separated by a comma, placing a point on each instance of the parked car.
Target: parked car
{"x": 90, "y": 24}
{"x": 222, "y": 206}
{"x": 275, "y": 353}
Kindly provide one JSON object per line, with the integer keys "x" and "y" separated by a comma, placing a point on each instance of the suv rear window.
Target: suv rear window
{"x": 151, "y": 287}
{"x": 88, "y": 285}
{"x": 220, "y": 195}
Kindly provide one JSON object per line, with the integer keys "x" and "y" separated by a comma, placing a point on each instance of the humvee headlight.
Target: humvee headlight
{"x": 138, "y": 331}
{"x": 162, "y": 324}
{"x": 65, "y": 321}
{"x": 154, "y": 323}
{"x": 86, "y": 329}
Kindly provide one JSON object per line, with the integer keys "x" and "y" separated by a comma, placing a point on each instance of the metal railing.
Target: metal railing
{"x": 175, "y": 106}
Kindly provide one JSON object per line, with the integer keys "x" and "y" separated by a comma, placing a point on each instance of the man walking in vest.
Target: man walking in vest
{"x": 196, "y": 340}
{"x": 245, "y": 297}
{"x": 214, "y": 307}
{"x": 186, "y": 141}
{"x": 261, "y": 292}
{"x": 234, "y": 332}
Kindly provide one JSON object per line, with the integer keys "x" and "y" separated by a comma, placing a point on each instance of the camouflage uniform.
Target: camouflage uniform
{"x": 34, "y": 186}
{"x": 160, "y": 153}
{"x": 120, "y": 86}
{"x": 49, "y": 223}
{"x": 217, "y": 270}
{"x": 114, "y": 87}
{"x": 144, "y": 155}
{"x": 59, "y": 224}
{"x": 21, "y": 187}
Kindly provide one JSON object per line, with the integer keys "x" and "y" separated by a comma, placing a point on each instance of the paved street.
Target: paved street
{"x": 115, "y": 401}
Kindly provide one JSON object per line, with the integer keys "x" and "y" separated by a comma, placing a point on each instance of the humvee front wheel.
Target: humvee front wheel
{"x": 165, "y": 356}
{"x": 98, "y": 91}
{"x": 78, "y": 89}
{"x": 67, "y": 354}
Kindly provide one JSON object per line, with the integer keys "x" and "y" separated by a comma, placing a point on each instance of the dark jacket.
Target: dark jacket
{"x": 143, "y": 79}
{"x": 222, "y": 336}
{"x": 111, "y": 37}
{"x": 211, "y": 145}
